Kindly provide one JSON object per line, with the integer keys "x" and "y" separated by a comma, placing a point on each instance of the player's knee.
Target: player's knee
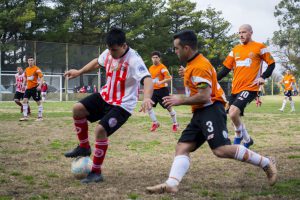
{"x": 219, "y": 152}
{"x": 233, "y": 113}
{"x": 100, "y": 132}
{"x": 183, "y": 148}
{"x": 79, "y": 110}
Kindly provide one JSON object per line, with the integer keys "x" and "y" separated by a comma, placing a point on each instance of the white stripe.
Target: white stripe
{"x": 264, "y": 50}
{"x": 101, "y": 143}
{"x": 96, "y": 166}
{"x": 112, "y": 84}
{"x": 230, "y": 54}
{"x": 84, "y": 141}
{"x": 163, "y": 70}
{"x": 197, "y": 79}
{"x": 80, "y": 121}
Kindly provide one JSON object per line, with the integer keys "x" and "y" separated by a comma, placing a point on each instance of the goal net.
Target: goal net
{"x": 8, "y": 89}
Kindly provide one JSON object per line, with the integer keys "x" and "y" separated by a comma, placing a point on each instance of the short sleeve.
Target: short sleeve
{"x": 165, "y": 73}
{"x": 201, "y": 76}
{"x": 39, "y": 72}
{"x": 102, "y": 59}
{"x": 229, "y": 62}
{"x": 139, "y": 69}
{"x": 266, "y": 55}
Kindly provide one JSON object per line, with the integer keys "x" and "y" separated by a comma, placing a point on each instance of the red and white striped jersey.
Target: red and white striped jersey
{"x": 123, "y": 76}
{"x": 19, "y": 82}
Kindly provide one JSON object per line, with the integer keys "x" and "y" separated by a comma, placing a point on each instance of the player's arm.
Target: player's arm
{"x": 148, "y": 91}
{"x": 91, "y": 66}
{"x": 224, "y": 71}
{"x": 268, "y": 71}
{"x": 202, "y": 97}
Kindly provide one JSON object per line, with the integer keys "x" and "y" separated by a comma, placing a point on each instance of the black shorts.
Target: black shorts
{"x": 288, "y": 93}
{"x": 207, "y": 124}
{"x": 19, "y": 95}
{"x": 158, "y": 95}
{"x": 34, "y": 93}
{"x": 242, "y": 99}
{"x": 111, "y": 117}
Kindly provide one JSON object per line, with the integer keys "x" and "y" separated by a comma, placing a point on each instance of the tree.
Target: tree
{"x": 287, "y": 39}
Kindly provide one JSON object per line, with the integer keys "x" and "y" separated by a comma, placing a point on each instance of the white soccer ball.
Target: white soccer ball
{"x": 81, "y": 166}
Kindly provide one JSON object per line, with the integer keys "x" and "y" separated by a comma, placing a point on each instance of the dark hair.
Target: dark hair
{"x": 187, "y": 37}
{"x": 115, "y": 36}
{"x": 156, "y": 53}
{"x": 29, "y": 56}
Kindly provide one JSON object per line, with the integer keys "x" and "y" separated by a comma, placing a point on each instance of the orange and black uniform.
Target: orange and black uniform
{"x": 158, "y": 73}
{"x": 288, "y": 81}
{"x": 32, "y": 75}
{"x": 246, "y": 62}
{"x": 209, "y": 119}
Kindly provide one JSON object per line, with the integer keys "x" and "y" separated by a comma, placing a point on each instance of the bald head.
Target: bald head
{"x": 245, "y": 33}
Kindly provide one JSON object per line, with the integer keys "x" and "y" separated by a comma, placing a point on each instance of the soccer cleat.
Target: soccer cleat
{"x": 24, "y": 119}
{"x": 293, "y": 110}
{"x": 281, "y": 110}
{"x": 78, "y": 151}
{"x": 271, "y": 171}
{"x": 39, "y": 119}
{"x": 92, "y": 177}
{"x": 248, "y": 144}
{"x": 154, "y": 126}
{"x": 237, "y": 140}
{"x": 162, "y": 188}
{"x": 175, "y": 127}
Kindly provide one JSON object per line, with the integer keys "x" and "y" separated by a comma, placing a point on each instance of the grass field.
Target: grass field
{"x": 32, "y": 165}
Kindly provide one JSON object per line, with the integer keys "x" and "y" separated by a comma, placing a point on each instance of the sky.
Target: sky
{"x": 258, "y": 13}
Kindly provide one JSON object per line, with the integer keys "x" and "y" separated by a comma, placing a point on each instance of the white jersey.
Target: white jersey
{"x": 123, "y": 78}
{"x": 19, "y": 82}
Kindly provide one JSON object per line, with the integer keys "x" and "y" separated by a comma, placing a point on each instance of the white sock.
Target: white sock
{"x": 246, "y": 155}
{"x": 238, "y": 131}
{"x": 25, "y": 109}
{"x": 245, "y": 134}
{"x": 283, "y": 104}
{"x": 179, "y": 168}
{"x": 152, "y": 115}
{"x": 173, "y": 116}
{"x": 40, "y": 111}
{"x": 292, "y": 104}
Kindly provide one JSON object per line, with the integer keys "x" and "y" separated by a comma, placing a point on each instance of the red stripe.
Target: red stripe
{"x": 109, "y": 75}
{"x": 122, "y": 86}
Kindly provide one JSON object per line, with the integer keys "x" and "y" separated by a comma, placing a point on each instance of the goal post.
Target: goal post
{"x": 7, "y": 87}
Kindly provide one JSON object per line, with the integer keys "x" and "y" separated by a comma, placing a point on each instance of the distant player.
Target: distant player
{"x": 289, "y": 84}
{"x": 245, "y": 60}
{"x": 44, "y": 90}
{"x": 160, "y": 76}
{"x": 125, "y": 70}
{"x": 208, "y": 122}
{"x": 20, "y": 89}
{"x": 32, "y": 82}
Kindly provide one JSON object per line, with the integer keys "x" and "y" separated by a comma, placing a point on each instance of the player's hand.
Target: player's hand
{"x": 172, "y": 100}
{"x": 181, "y": 71}
{"x": 146, "y": 105}
{"x": 72, "y": 73}
{"x": 158, "y": 82}
{"x": 259, "y": 81}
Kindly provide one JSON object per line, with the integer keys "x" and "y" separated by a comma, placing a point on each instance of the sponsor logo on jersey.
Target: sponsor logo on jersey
{"x": 211, "y": 136}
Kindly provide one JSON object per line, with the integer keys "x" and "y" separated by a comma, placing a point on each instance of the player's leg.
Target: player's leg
{"x": 215, "y": 131}
{"x": 90, "y": 109}
{"x": 292, "y": 103}
{"x": 155, "y": 123}
{"x": 43, "y": 96}
{"x": 26, "y": 97}
{"x": 37, "y": 98}
{"x": 17, "y": 100}
{"x": 236, "y": 110}
{"x": 241, "y": 153}
{"x": 284, "y": 101}
{"x": 163, "y": 93}
{"x": 190, "y": 140}
{"x": 110, "y": 123}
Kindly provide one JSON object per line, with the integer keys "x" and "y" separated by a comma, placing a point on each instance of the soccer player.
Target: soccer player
{"x": 44, "y": 89}
{"x": 208, "y": 122}
{"x": 160, "y": 76}
{"x": 33, "y": 82}
{"x": 289, "y": 84}
{"x": 125, "y": 70}
{"x": 20, "y": 89}
{"x": 245, "y": 60}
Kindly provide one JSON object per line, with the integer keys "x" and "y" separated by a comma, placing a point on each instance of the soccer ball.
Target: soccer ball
{"x": 81, "y": 166}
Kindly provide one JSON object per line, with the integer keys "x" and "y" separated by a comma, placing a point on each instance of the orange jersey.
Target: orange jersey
{"x": 288, "y": 81}
{"x": 246, "y": 62}
{"x": 32, "y": 74}
{"x": 158, "y": 73}
{"x": 199, "y": 70}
